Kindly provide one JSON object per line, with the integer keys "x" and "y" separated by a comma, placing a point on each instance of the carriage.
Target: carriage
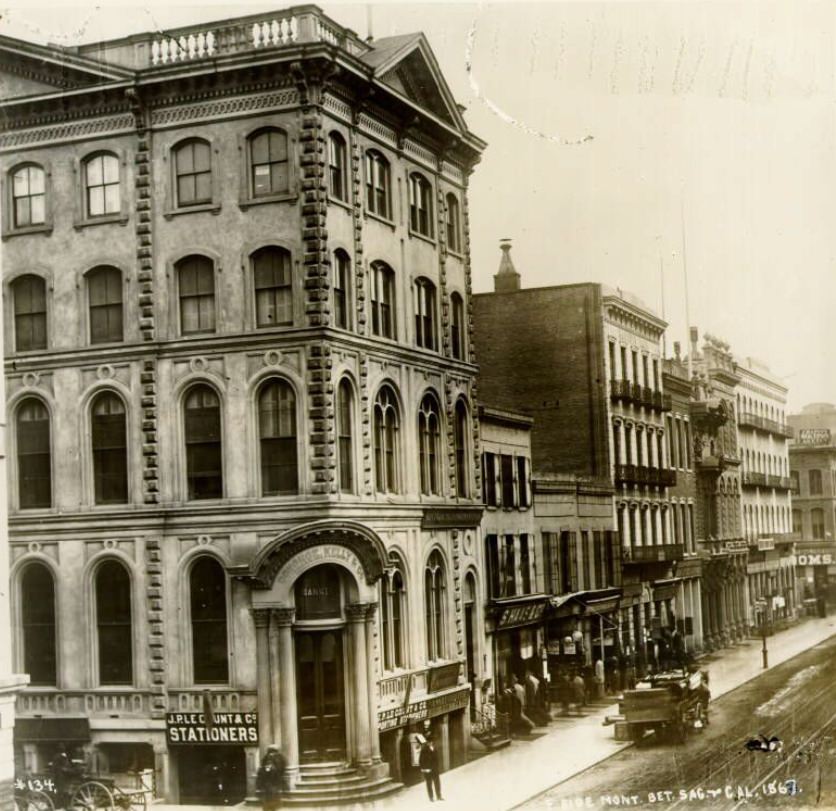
{"x": 80, "y": 792}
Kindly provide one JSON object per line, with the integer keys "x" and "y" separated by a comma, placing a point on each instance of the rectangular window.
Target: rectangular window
{"x": 525, "y": 564}
{"x": 522, "y": 481}
{"x": 817, "y": 517}
{"x": 29, "y": 293}
{"x": 655, "y": 374}
{"x": 634, "y": 366}
{"x": 489, "y": 479}
{"x": 623, "y": 362}
{"x": 612, "y": 360}
{"x": 105, "y": 289}
{"x": 687, "y": 433}
{"x": 815, "y": 482}
{"x": 492, "y": 555}
{"x": 588, "y": 581}
{"x": 507, "y": 477}
{"x": 509, "y": 568}
{"x": 645, "y": 375}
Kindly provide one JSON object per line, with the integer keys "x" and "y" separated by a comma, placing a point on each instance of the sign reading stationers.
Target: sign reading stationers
{"x": 183, "y": 728}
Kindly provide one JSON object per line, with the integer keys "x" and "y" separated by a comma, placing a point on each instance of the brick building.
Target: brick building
{"x": 240, "y": 384}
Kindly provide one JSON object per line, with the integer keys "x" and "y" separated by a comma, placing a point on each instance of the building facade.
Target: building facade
{"x": 812, "y": 475}
{"x": 766, "y": 507}
{"x": 246, "y": 487}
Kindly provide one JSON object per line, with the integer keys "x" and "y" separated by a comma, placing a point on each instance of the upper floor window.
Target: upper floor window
{"x": 277, "y": 437}
{"x": 37, "y": 608}
{"x": 522, "y": 480}
{"x": 104, "y": 291}
{"x": 113, "y": 623}
{"x": 817, "y": 517}
{"x": 453, "y": 222}
{"x": 457, "y": 326}
{"x": 342, "y": 290}
{"x": 101, "y": 183}
{"x": 34, "y": 462}
{"x": 383, "y": 300}
{"x": 196, "y": 283}
{"x": 378, "y": 185}
{"x": 489, "y": 478}
{"x": 273, "y": 283}
{"x": 393, "y": 611}
{"x": 337, "y": 167}
{"x": 268, "y": 163}
{"x": 429, "y": 441}
{"x": 815, "y": 482}
{"x": 29, "y": 298}
{"x": 420, "y": 205}
{"x": 193, "y": 172}
{"x": 207, "y": 586}
{"x": 795, "y": 481}
{"x": 345, "y": 435}
{"x": 28, "y": 196}
{"x": 434, "y": 606}
{"x": 204, "y": 467}
{"x": 425, "y": 332}
{"x": 506, "y": 472}
{"x": 386, "y": 425}
{"x": 460, "y": 438}
{"x": 110, "y": 452}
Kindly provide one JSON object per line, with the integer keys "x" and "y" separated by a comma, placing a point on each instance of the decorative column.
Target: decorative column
{"x": 261, "y": 618}
{"x": 274, "y": 671}
{"x": 286, "y": 676}
{"x": 372, "y": 679}
{"x": 356, "y": 613}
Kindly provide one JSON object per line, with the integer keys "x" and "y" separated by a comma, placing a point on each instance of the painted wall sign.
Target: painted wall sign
{"x": 226, "y": 727}
{"x": 516, "y": 615}
{"x": 446, "y": 518}
{"x": 423, "y": 709}
{"x": 814, "y": 436}
{"x": 814, "y": 559}
{"x": 440, "y": 678}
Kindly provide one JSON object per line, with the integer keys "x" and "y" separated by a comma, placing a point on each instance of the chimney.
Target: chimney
{"x": 506, "y": 280}
{"x": 677, "y": 350}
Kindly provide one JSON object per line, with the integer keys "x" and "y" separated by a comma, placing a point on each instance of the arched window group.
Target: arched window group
{"x": 345, "y": 435}
{"x": 435, "y": 606}
{"x": 393, "y": 613}
{"x": 429, "y": 445}
{"x": 386, "y": 425}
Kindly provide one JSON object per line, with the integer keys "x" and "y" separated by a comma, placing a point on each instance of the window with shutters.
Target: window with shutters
{"x": 110, "y": 450}
{"x": 34, "y": 457}
{"x": 104, "y": 292}
{"x": 429, "y": 445}
{"x": 526, "y": 564}
{"x": 342, "y": 290}
{"x": 273, "y": 283}
{"x": 386, "y": 424}
{"x": 425, "y": 322}
{"x": 382, "y": 296}
{"x": 508, "y": 567}
{"x": 378, "y": 185}
{"x": 461, "y": 446}
{"x": 204, "y": 463}
{"x": 489, "y": 479}
{"x": 345, "y": 435}
{"x": 37, "y": 613}
{"x": 457, "y": 326}
{"x": 196, "y": 288}
{"x": 277, "y": 438}
{"x": 269, "y": 168}
{"x": 453, "y": 223}
{"x": 101, "y": 185}
{"x": 434, "y": 606}
{"x": 29, "y": 301}
{"x": 393, "y": 614}
{"x": 113, "y": 623}
{"x": 193, "y": 173}
{"x": 28, "y": 186}
{"x": 522, "y": 482}
{"x": 420, "y": 205}
{"x": 494, "y": 568}
{"x": 337, "y": 167}
{"x": 507, "y": 480}
{"x": 210, "y": 659}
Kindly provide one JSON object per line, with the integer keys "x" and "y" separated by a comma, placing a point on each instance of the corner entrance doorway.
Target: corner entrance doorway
{"x": 320, "y": 695}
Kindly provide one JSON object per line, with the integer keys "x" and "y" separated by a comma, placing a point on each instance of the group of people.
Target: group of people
{"x": 525, "y": 701}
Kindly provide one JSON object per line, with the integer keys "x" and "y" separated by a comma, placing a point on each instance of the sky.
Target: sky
{"x": 635, "y": 144}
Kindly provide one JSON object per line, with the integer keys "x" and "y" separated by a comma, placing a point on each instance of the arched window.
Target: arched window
{"x": 383, "y": 300}
{"x": 378, "y": 185}
{"x": 196, "y": 284}
{"x": 193, "y": 172}
{"x": 113, "y": 623}
{"x": 420, "y": 205}
{"x": 434, "y": 608}
{"x": 104, "y": 292}
{"x": 457, "y": 326}
{"x": 386, "y": 426}
{"x": 470, "y": 643}
{"x": 425, "y": 331}
{"x": 337, "y": 167}
{"x": 393, "y": 611}
{"x": 429, "y": 445}
{"x": 460, "y": 436}
{"x": 204, "y": 465}
{"x": 268, "y": 162}
{"x": 345, "y": 435}
{"x": 210, "y": 661}
{"x": 342, "y": 290}
{"x": 29, "y": 196}
{"x": 277, "y": 438}
{"x": 37, "y": 609}
{"x": 454, "y": 234}
{"x": 29, "y": 296}
{"x": 101, "y": 183}
{"x": 110, "y": 449}
{"x": 34, "y": 459}
{"x": 273, "y": 282}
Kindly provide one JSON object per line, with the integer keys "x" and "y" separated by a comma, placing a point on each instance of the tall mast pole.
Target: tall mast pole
{"x": 685, "y": 277}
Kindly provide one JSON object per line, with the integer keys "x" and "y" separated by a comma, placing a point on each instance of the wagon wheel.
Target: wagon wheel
{"x": 34, "y": 801}
{"x": 92, "y": 796}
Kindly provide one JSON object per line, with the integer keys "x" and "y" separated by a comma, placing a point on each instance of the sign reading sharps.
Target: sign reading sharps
{"x": 221, "y": 728}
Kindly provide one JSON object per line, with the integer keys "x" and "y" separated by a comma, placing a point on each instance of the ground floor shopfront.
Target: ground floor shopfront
{"x": 772, "y": 588}
{"x": 815, "y": 572}
{"x": 724, "y": 591}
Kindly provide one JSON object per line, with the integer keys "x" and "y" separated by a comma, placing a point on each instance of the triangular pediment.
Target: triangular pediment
{"x": 407, "y": 65}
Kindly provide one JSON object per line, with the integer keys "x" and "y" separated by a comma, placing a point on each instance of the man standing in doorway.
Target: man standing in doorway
{"x": 428, "y": 763}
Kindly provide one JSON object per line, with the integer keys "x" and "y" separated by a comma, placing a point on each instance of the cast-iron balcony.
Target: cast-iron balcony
{"x": 663, "y": 553}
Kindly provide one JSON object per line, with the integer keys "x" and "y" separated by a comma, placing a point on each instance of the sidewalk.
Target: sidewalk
{"x": 510, "y": 776}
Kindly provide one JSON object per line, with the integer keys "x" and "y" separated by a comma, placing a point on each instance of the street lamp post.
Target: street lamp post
{"x": 764, "y": 650}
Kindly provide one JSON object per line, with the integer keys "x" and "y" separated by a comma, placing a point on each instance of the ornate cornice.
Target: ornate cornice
{"x": 67, "y": 130}
{"x": 222, "y": 108}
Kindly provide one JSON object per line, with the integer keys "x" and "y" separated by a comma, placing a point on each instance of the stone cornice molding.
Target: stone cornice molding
{"x": 119, "y": 124}
{"x": 223, "y": 108}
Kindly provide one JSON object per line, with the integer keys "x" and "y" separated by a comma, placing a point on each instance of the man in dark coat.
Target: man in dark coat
{"x": 269, "y": 782}
{"x": 428, "y": 763}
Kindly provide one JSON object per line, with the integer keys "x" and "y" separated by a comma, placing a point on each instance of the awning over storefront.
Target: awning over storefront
{"x": 601, "y": 601}
{"x": 57, "y": 730}
{"x": 665, "y": 589}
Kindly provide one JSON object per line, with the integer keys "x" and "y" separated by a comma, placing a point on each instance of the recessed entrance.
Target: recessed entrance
{"x": 320, "y": 691}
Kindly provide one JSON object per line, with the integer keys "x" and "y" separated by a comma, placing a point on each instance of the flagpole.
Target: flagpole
{"x": 685, "y": 276}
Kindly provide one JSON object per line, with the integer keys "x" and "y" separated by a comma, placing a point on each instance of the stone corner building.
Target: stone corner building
{"x": 244, "y": 477}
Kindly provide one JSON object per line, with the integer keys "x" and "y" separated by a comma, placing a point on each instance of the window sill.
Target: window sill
{"x": 213, "y": 208}
{"x": 341, "y": 203}
{"x": 457, "y": 254}
{"x": 46, "y": 228}
{"x": 422, "y": 237}
{"x": 108, "y": 219}
{"x": 381, "y": 219}
{"x": 284, "y": 197}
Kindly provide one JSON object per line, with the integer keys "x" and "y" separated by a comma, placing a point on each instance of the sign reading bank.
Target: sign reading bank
{"x": 222, "y": 728}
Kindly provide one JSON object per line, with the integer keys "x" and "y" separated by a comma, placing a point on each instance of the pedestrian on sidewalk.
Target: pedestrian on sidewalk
{"x": 599, "y": 679}
{"x": 579, "y": 689}
{"x": 269, "y": 781}
{"x": 428, "y": 763}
